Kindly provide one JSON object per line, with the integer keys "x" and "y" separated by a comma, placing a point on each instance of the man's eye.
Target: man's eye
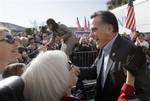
{"x": 93, "y": 29}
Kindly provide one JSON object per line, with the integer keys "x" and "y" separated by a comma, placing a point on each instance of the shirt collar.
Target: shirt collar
{"x": 109, "y": 45}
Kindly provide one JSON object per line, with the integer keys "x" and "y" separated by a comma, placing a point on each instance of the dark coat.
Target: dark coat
{"x": 11, "y": 89}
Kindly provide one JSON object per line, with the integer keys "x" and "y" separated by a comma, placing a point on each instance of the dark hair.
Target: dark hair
{"x": 21, "y": 49}
{"x": 43, "y": 29}
{"x": 52, "y": 22}
{"x": 107, "y": 17}
{"x": 137, "y": 33}
{"x": 141, "y": 33}
{"x": 30, "y": 38}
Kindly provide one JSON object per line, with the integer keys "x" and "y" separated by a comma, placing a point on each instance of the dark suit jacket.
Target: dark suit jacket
{"x": 11, "y": 89}
{"x": 124, "y": 55}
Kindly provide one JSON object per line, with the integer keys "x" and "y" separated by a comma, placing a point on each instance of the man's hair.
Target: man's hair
{"x": 15, "y": 69}
{"x": 108, "y": 18}
{"x": 47, "y": 77}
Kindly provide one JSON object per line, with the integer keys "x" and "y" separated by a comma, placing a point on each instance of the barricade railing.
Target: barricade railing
{"x": 83, "y": 58}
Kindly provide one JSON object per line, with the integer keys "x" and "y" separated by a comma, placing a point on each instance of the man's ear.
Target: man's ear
{"x": 109, "y": 28}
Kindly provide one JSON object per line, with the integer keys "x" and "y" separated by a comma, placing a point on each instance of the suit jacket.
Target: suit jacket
{"x": 124, "y": 55}
{"x": 11, "y": 89}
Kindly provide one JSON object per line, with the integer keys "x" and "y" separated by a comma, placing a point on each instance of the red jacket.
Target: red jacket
{"x": 127, "y": 92}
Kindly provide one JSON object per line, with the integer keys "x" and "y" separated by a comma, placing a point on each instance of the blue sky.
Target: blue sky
{"x": 27, "y": 12}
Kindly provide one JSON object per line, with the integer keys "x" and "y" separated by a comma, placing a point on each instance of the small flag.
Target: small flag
{"x": 78, "y": 25}
{"x": 85, "y": 25}
{"x": 88, "y": 25}
{"x": 130, "y": 21}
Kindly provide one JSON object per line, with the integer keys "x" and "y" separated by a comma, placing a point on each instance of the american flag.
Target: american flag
{"x": 130, "y": 21}
{"x": 78, "y": 25}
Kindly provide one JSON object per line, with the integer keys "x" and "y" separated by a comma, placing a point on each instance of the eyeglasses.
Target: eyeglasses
{"x": 9, "y": 39}
{"x": 70, "y": 65}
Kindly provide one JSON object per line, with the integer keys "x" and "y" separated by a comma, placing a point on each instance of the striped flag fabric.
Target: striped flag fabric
{"x": 130, "y": 21}
{"x": 88, "y": 25}
{"x": 85, "y": 25}
{"x": 78, "y": 25}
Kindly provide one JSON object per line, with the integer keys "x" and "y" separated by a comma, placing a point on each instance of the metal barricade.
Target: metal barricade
{"x": 83, "y": 58}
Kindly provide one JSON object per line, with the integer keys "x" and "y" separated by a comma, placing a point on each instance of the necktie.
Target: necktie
{"x": 99, "y": 79}
{"x": 102, "y": 72}
{"x": 99, "y": 62}
{"x": 100, "y": 68}
{"x": 100, "y": 65}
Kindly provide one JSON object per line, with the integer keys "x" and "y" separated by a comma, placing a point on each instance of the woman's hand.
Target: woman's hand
{"x": 130, "y": 79}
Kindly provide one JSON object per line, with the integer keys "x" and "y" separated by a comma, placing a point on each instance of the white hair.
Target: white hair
{"x": 47, "y": 77}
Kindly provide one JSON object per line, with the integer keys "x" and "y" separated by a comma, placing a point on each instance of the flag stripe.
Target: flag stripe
{"x": 129, "y": 17}
{"x": 85, "y": 25}
{"x": 78, "y": 25}
{"x": 130, "y": 21}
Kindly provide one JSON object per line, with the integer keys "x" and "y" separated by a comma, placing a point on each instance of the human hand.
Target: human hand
{"x": 130, "y": 79}
{"x": 76, "y": 70}
{"x": 42, "y": 48}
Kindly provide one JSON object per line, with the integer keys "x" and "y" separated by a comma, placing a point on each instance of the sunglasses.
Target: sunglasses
{"x": 70, "y": 65}
{"x": 9, "y": 39}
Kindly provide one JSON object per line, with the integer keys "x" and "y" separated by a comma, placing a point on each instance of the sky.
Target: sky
{"x": 29, "y": 13}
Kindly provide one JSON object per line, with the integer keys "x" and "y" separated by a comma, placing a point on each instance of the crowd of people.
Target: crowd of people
{"x": 37, "y": 67}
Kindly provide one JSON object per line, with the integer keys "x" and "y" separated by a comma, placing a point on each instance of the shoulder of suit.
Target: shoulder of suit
{"x": 128, "y": 43}
{"x": 123, "y": 48}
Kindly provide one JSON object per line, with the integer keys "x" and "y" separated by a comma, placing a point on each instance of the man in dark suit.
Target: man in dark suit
{"x": 116, "y": 55}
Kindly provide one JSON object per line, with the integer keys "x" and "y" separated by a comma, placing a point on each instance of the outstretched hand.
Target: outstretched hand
{"x": 76, "y": 70}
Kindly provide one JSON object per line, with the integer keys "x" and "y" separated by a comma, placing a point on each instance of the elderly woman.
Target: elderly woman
{"x": 48, "y": 78}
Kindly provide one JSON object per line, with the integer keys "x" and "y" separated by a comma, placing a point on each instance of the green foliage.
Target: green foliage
{"x": 29, "y": 31}
{"x": 115, "y": 3}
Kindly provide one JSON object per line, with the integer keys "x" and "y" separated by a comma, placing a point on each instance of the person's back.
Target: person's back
{"x": 11, "y": 89}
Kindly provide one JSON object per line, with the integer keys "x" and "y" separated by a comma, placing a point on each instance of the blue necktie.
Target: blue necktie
{"x": 100, "y": 74}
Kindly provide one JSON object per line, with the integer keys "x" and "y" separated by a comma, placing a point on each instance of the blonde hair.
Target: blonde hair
{"x": 82, "y": 39}
{"x": 47, "y": 77}
{"x": 15, "y": 69}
